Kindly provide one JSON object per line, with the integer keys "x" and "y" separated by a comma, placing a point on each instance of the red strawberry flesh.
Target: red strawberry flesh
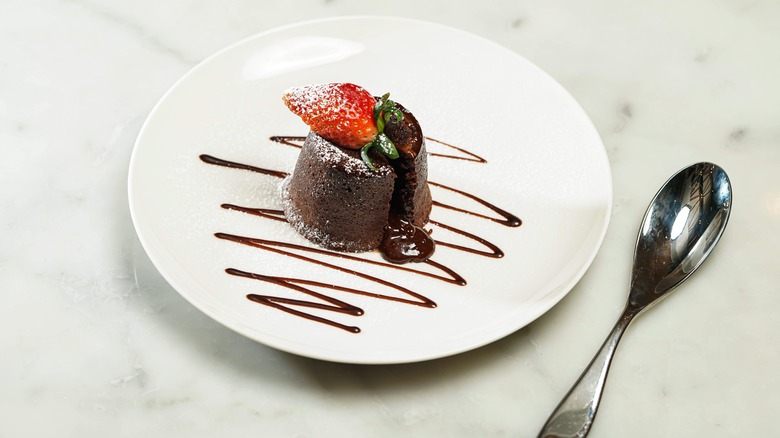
{"x": 341, "y": 113}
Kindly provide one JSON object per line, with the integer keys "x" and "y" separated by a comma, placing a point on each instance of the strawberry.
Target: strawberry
{"x": 347, "y": 115}
{"x": 340, "y": 113}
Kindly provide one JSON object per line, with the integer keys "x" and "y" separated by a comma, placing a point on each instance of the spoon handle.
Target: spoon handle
{"x": 574, "y": 415}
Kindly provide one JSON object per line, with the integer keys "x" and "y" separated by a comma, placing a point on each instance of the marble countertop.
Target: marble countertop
{"x": 95, "y": 343}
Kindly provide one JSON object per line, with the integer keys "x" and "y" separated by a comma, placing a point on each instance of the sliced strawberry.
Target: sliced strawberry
{"x": 341, "y": 113}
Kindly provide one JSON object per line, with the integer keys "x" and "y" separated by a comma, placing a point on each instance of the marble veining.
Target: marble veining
{"x": 95, "y": 343}
{"x": 136, "y": 29}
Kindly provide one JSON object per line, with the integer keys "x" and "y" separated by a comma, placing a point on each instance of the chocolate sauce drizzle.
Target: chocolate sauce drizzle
{"x": 232, "y": 164}
{"x": 447, "y": 275}
{"x": 470, "y": 155}
{"x": 414, "y": 252}
{"x": 495, "y": 252}
{"x": 508, "y": 220}
{"x": 277, "y": 215}
{"x": 334, "y": 305}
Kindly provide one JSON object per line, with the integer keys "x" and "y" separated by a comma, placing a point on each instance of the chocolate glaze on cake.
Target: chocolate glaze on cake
{"x": 412, "y": 196}
{"x": 335, "y": 200}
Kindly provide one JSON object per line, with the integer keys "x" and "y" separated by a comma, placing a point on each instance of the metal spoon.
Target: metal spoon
{"x": 680, "y": 228}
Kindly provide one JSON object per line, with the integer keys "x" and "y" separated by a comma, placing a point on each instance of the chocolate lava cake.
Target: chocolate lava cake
{"x": 334, "y": 199}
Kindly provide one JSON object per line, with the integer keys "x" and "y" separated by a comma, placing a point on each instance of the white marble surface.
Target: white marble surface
{"x": 95, "y": 343}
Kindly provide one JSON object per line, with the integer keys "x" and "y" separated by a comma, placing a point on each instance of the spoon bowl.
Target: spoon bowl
{"x": 682, "y": 225}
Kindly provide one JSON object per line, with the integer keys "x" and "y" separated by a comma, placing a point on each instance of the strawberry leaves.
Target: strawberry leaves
{"x": 385, "y": 112}
{"x": 383, "y": 144}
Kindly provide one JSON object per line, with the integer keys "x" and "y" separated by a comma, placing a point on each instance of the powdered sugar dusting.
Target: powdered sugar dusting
{"x": 333, "y": 155}
{"x": 321, "y": 95}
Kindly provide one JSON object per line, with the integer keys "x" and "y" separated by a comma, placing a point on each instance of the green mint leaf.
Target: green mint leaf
{"x": 386, "y": 112}
{"x": 385, "y": 146}
{"x": 380, "y": 106}
{"x": 366, "y": 158}
{"x": 380, "y": 123}
{"x": 393, "y": 112}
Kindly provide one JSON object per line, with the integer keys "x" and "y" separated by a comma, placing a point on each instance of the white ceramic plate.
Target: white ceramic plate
{"x": 545, "y": 163}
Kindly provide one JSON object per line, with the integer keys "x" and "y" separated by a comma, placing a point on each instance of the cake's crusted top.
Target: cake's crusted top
{"x": 348, "y": 160}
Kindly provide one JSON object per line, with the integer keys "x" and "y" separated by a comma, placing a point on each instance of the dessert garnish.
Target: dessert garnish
{"x": 346, "y": 115}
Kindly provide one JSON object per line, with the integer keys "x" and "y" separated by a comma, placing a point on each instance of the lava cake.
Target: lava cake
{"x": 363, "y": 162}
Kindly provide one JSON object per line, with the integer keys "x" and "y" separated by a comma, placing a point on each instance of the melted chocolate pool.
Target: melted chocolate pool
{"x": 405, "y": 242}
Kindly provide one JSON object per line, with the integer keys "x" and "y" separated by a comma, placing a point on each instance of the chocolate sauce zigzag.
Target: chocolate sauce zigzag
{"x": 291, "y": 283}
{"x": 232, "y": 164}
{"x": 335, "y": 305}
{"x": 508, "y": 219}
{"x": 495, "y": 251}
{"x": 447, "y": 275}
{"x": 331, "y": 304}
